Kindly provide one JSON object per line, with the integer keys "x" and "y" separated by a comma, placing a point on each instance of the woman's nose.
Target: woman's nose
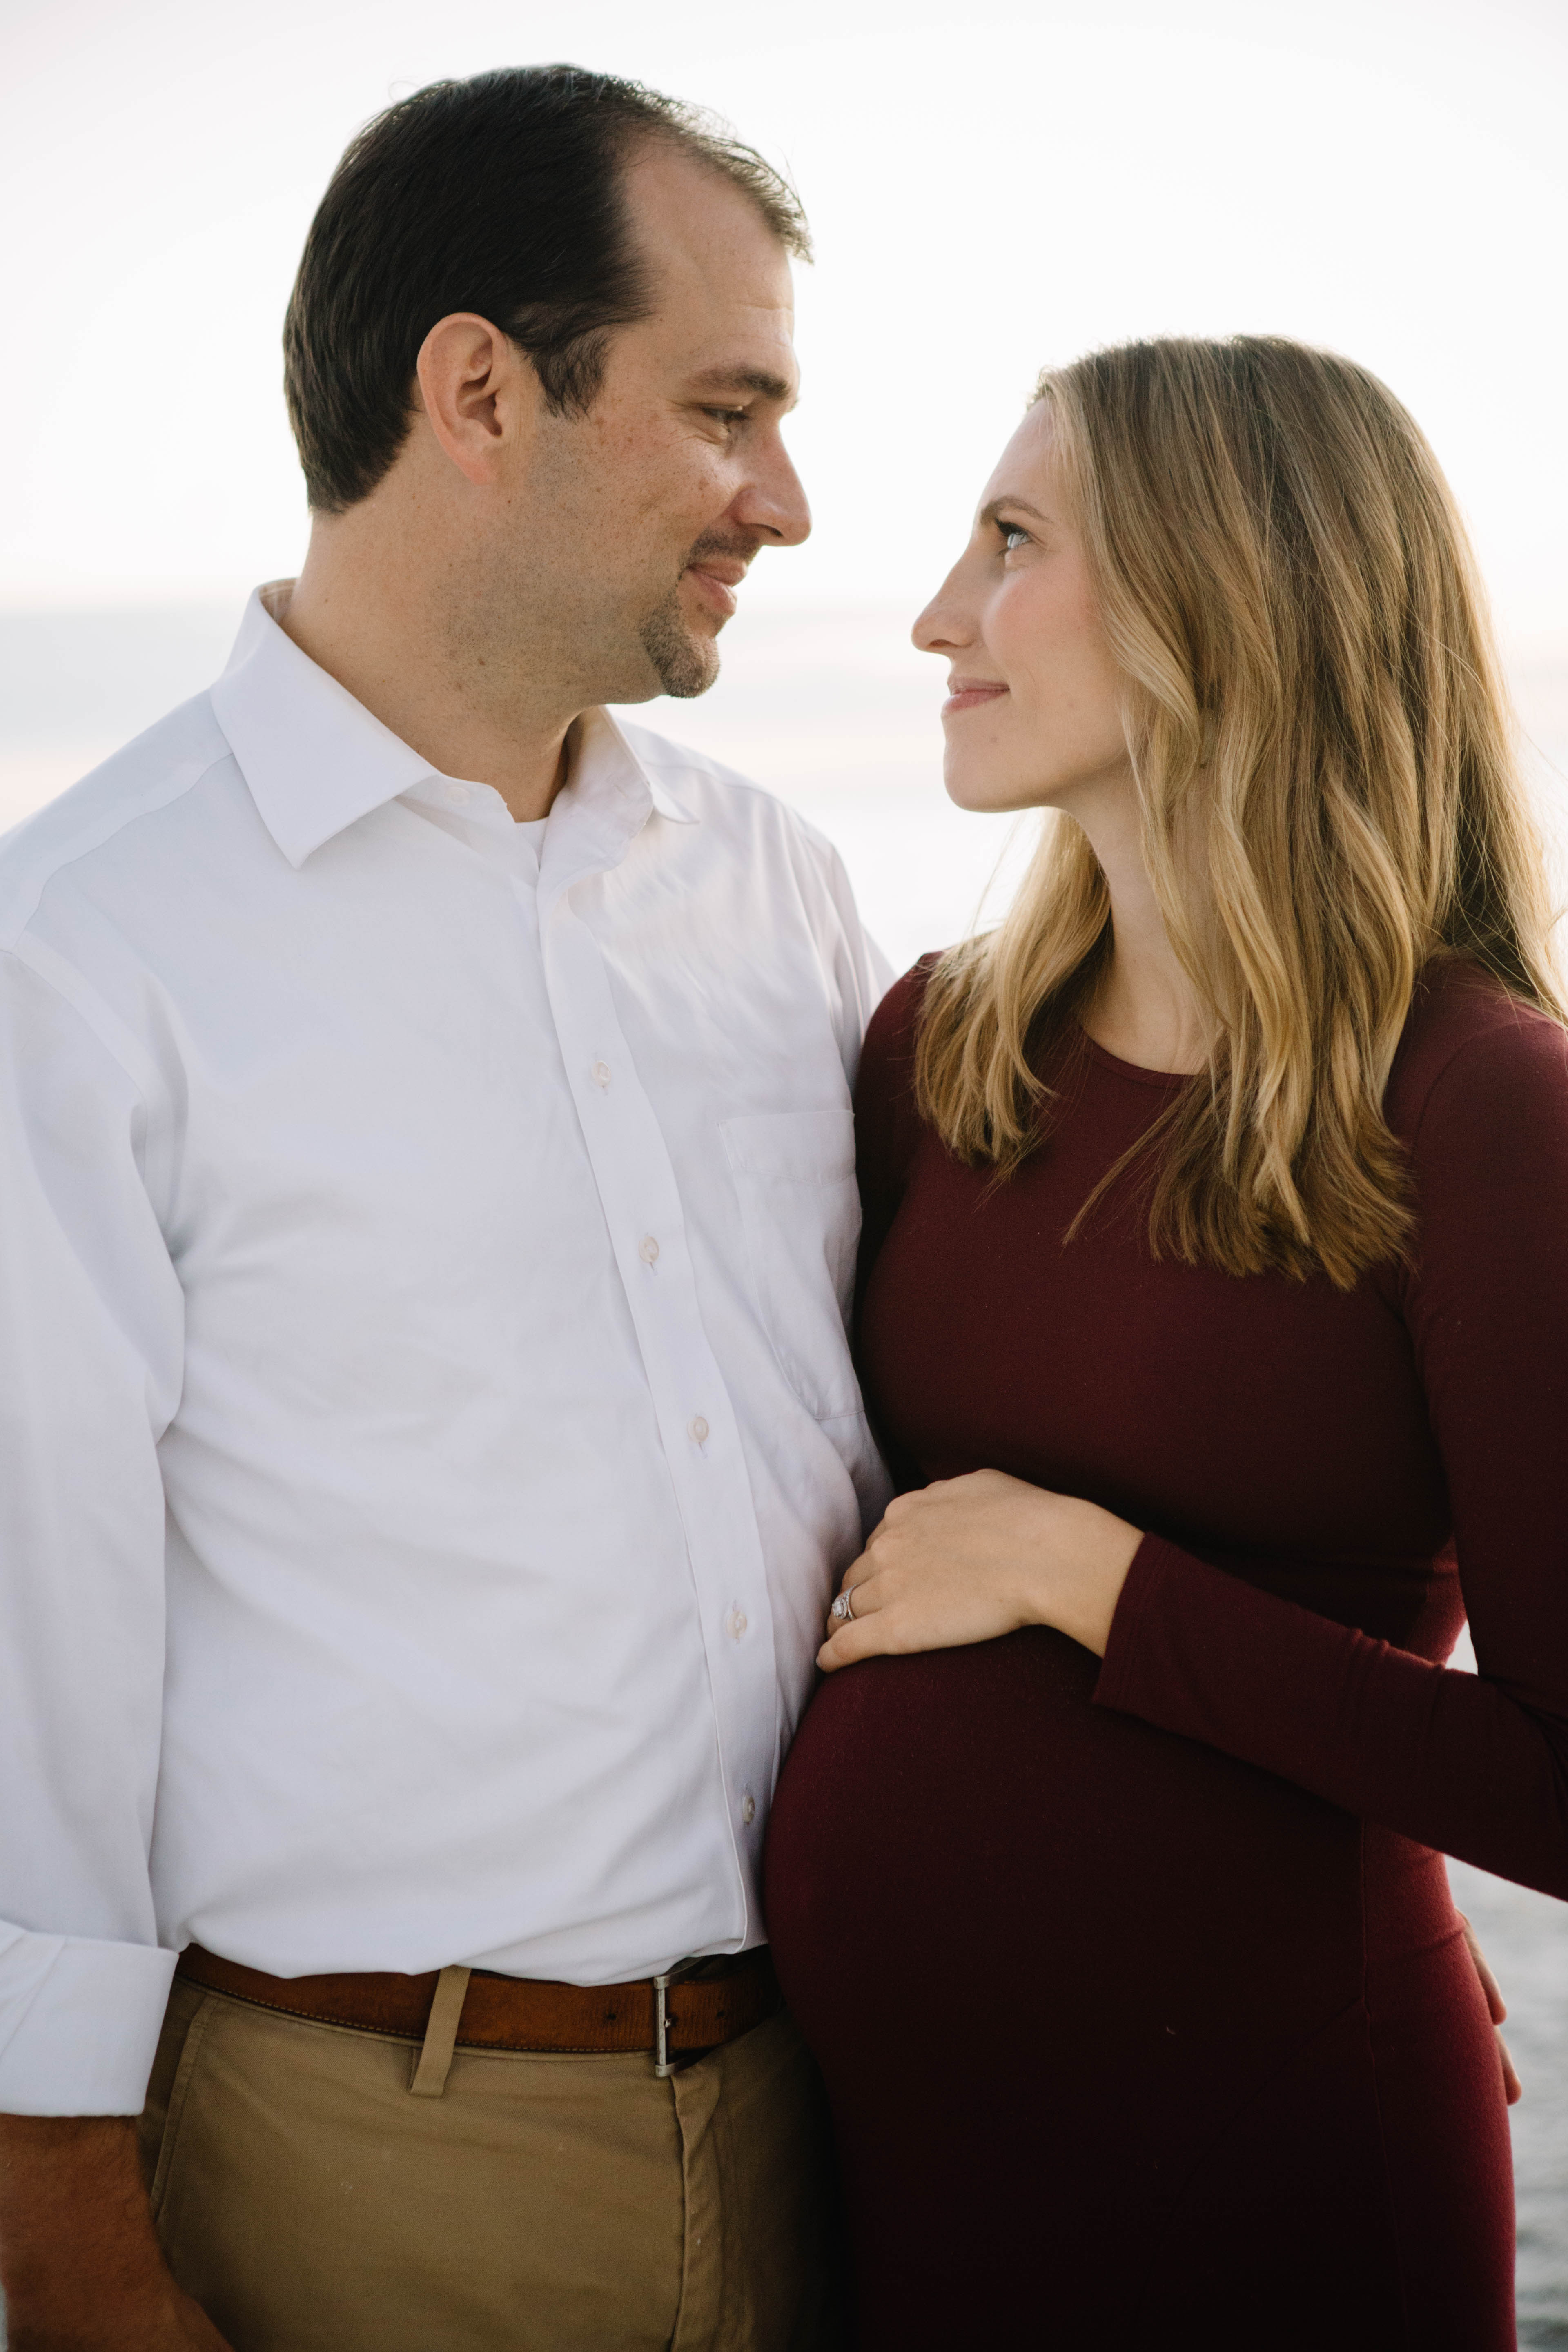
{"x": 946, "y": 622}
{"x": 940, "y": 627}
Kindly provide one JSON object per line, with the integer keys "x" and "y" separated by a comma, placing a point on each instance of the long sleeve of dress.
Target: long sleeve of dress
{"x": 1474, "y": 1765}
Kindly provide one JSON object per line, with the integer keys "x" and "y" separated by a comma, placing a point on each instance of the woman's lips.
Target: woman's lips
{"x": 969, "y": 693}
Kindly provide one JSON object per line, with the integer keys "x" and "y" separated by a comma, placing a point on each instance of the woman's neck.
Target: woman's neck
{"x": 1145, "y": 1009}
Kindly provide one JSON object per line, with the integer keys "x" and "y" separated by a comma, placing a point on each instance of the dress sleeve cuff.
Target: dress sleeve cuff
{"x": 79, "y": 2023}
{"x": 1141, "y": 1590}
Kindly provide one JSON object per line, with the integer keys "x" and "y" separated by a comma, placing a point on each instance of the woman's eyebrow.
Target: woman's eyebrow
{"x": 989, "y": 513}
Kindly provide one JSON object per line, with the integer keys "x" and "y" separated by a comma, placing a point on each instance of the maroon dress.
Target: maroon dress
{"x": 1137, "y": 1985}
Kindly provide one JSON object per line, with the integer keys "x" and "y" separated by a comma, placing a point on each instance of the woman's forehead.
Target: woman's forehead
{"x": 1027, "y": 468}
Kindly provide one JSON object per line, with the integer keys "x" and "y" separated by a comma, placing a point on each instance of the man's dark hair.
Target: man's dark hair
{"x": 504, "y": 196}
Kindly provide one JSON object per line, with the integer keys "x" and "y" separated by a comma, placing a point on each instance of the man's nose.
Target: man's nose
{"x": 775, "y": 501}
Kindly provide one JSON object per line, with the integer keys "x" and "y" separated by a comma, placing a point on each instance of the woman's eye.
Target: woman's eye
{"x": 1013, "y": 535}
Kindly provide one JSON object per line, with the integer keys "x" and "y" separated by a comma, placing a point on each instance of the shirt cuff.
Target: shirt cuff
{"x": 79, "y": 2021}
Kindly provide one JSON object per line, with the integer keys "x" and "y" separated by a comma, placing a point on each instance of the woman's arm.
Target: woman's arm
{"x": 1475, "y": 1765}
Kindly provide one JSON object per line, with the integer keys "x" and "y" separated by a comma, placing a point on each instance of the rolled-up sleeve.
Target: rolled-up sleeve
{"x": 91, "y": 1330}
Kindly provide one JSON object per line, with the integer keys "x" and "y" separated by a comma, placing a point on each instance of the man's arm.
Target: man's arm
{"x": 80, "y": 2263}
{"x": 90, "y": 1360}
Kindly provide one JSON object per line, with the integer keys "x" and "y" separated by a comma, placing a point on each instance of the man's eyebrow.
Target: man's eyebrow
{"x": 760, "y": 382}
{"x": 989, "y": 513}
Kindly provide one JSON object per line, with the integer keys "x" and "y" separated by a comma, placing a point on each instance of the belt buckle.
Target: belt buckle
{"x": 663, "y": 2063}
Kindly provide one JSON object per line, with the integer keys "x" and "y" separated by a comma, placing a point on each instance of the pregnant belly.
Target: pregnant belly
{"x": 1052, "y": 1958}
{"x": 975, "y": 1873}
{"x": 972, "y": 1811}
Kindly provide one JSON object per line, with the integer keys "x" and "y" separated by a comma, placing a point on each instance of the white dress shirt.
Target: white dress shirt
{"x": 429, "y": 1437}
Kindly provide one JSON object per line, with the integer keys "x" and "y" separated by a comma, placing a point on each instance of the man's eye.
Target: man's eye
{"x": 729, "y": 415}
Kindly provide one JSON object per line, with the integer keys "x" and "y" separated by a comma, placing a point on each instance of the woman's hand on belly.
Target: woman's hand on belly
{"x": 967, "y": 1559}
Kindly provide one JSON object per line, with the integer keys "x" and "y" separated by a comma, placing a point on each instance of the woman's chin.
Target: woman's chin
{"x": 983, "y": 796}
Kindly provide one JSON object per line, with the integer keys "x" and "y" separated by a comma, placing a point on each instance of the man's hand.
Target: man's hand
{"x": 1513, "y": 2088}
{"x": 79, "y": 2261}
{"x": 966, "y": 1559}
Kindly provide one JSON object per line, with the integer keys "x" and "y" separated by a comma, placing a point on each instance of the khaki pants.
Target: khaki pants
{"x": 540, "y": 2204}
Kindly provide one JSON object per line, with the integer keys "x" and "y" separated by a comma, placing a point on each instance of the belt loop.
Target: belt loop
{"x": 429, "y": 2077}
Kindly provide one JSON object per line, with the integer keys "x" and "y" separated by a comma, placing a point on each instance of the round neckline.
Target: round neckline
{"x": 1134, "y": 1070}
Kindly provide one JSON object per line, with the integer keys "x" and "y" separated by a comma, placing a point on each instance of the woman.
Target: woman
{"x": 1215, "y": 1317}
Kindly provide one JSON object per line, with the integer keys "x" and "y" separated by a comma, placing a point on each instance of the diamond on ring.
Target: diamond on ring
{"x": 841, "y": 1609}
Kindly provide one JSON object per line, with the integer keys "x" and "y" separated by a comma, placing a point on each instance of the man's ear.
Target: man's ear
{"x": 479, "y": 393}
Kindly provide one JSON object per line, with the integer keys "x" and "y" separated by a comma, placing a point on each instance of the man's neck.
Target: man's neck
{"x": 351, "y": 612}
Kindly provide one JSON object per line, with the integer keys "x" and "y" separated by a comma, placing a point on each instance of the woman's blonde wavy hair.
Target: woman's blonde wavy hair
{"x": 1313, "y": 699}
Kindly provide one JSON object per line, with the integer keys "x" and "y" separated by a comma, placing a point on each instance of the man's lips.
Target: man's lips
{"x": 718, "y": 576}
{"x": 969, "y": 693}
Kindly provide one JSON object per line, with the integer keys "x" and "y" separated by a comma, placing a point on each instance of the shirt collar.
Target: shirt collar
{"x": 316, "y": 761}
{"x": 600, "y": 755}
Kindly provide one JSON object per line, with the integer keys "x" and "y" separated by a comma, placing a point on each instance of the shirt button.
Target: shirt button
{"x": 747, "y": 1811}
{"x": 648, "y": 1249}
{"x": 601, "y": 1074}
{"x": 696, "y": 1430}
{"x": 735, "y": 1623}
{"x": 458, "y": 796}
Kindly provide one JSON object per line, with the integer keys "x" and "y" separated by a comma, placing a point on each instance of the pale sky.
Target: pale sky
{"x": 990, "y": 188}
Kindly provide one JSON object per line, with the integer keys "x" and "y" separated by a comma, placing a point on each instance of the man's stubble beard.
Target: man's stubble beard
{"x": 590, "y": 648}
{"x": 560, "y": 616}
{"x": 684, "y": 663}
{"x": 685, "y": 660}
{"x": 554, "y": 617}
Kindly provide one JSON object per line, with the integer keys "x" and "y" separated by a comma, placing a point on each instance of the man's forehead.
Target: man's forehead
{"x": 700, "y": 235}
{"x": 723, "y": 296}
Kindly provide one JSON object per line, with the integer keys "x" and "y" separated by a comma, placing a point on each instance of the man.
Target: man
{"x": 428, "y": 1213}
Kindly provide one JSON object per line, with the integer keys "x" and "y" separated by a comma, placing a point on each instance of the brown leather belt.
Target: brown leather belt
{"x": 672, "y": 2015}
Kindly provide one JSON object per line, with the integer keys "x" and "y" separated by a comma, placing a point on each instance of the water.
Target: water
{"x": 832, "y": 710}
{"x": 1525, "y": 1937}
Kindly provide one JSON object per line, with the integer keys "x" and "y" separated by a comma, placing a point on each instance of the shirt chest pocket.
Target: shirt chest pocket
{"x": 794, "y": 1174}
